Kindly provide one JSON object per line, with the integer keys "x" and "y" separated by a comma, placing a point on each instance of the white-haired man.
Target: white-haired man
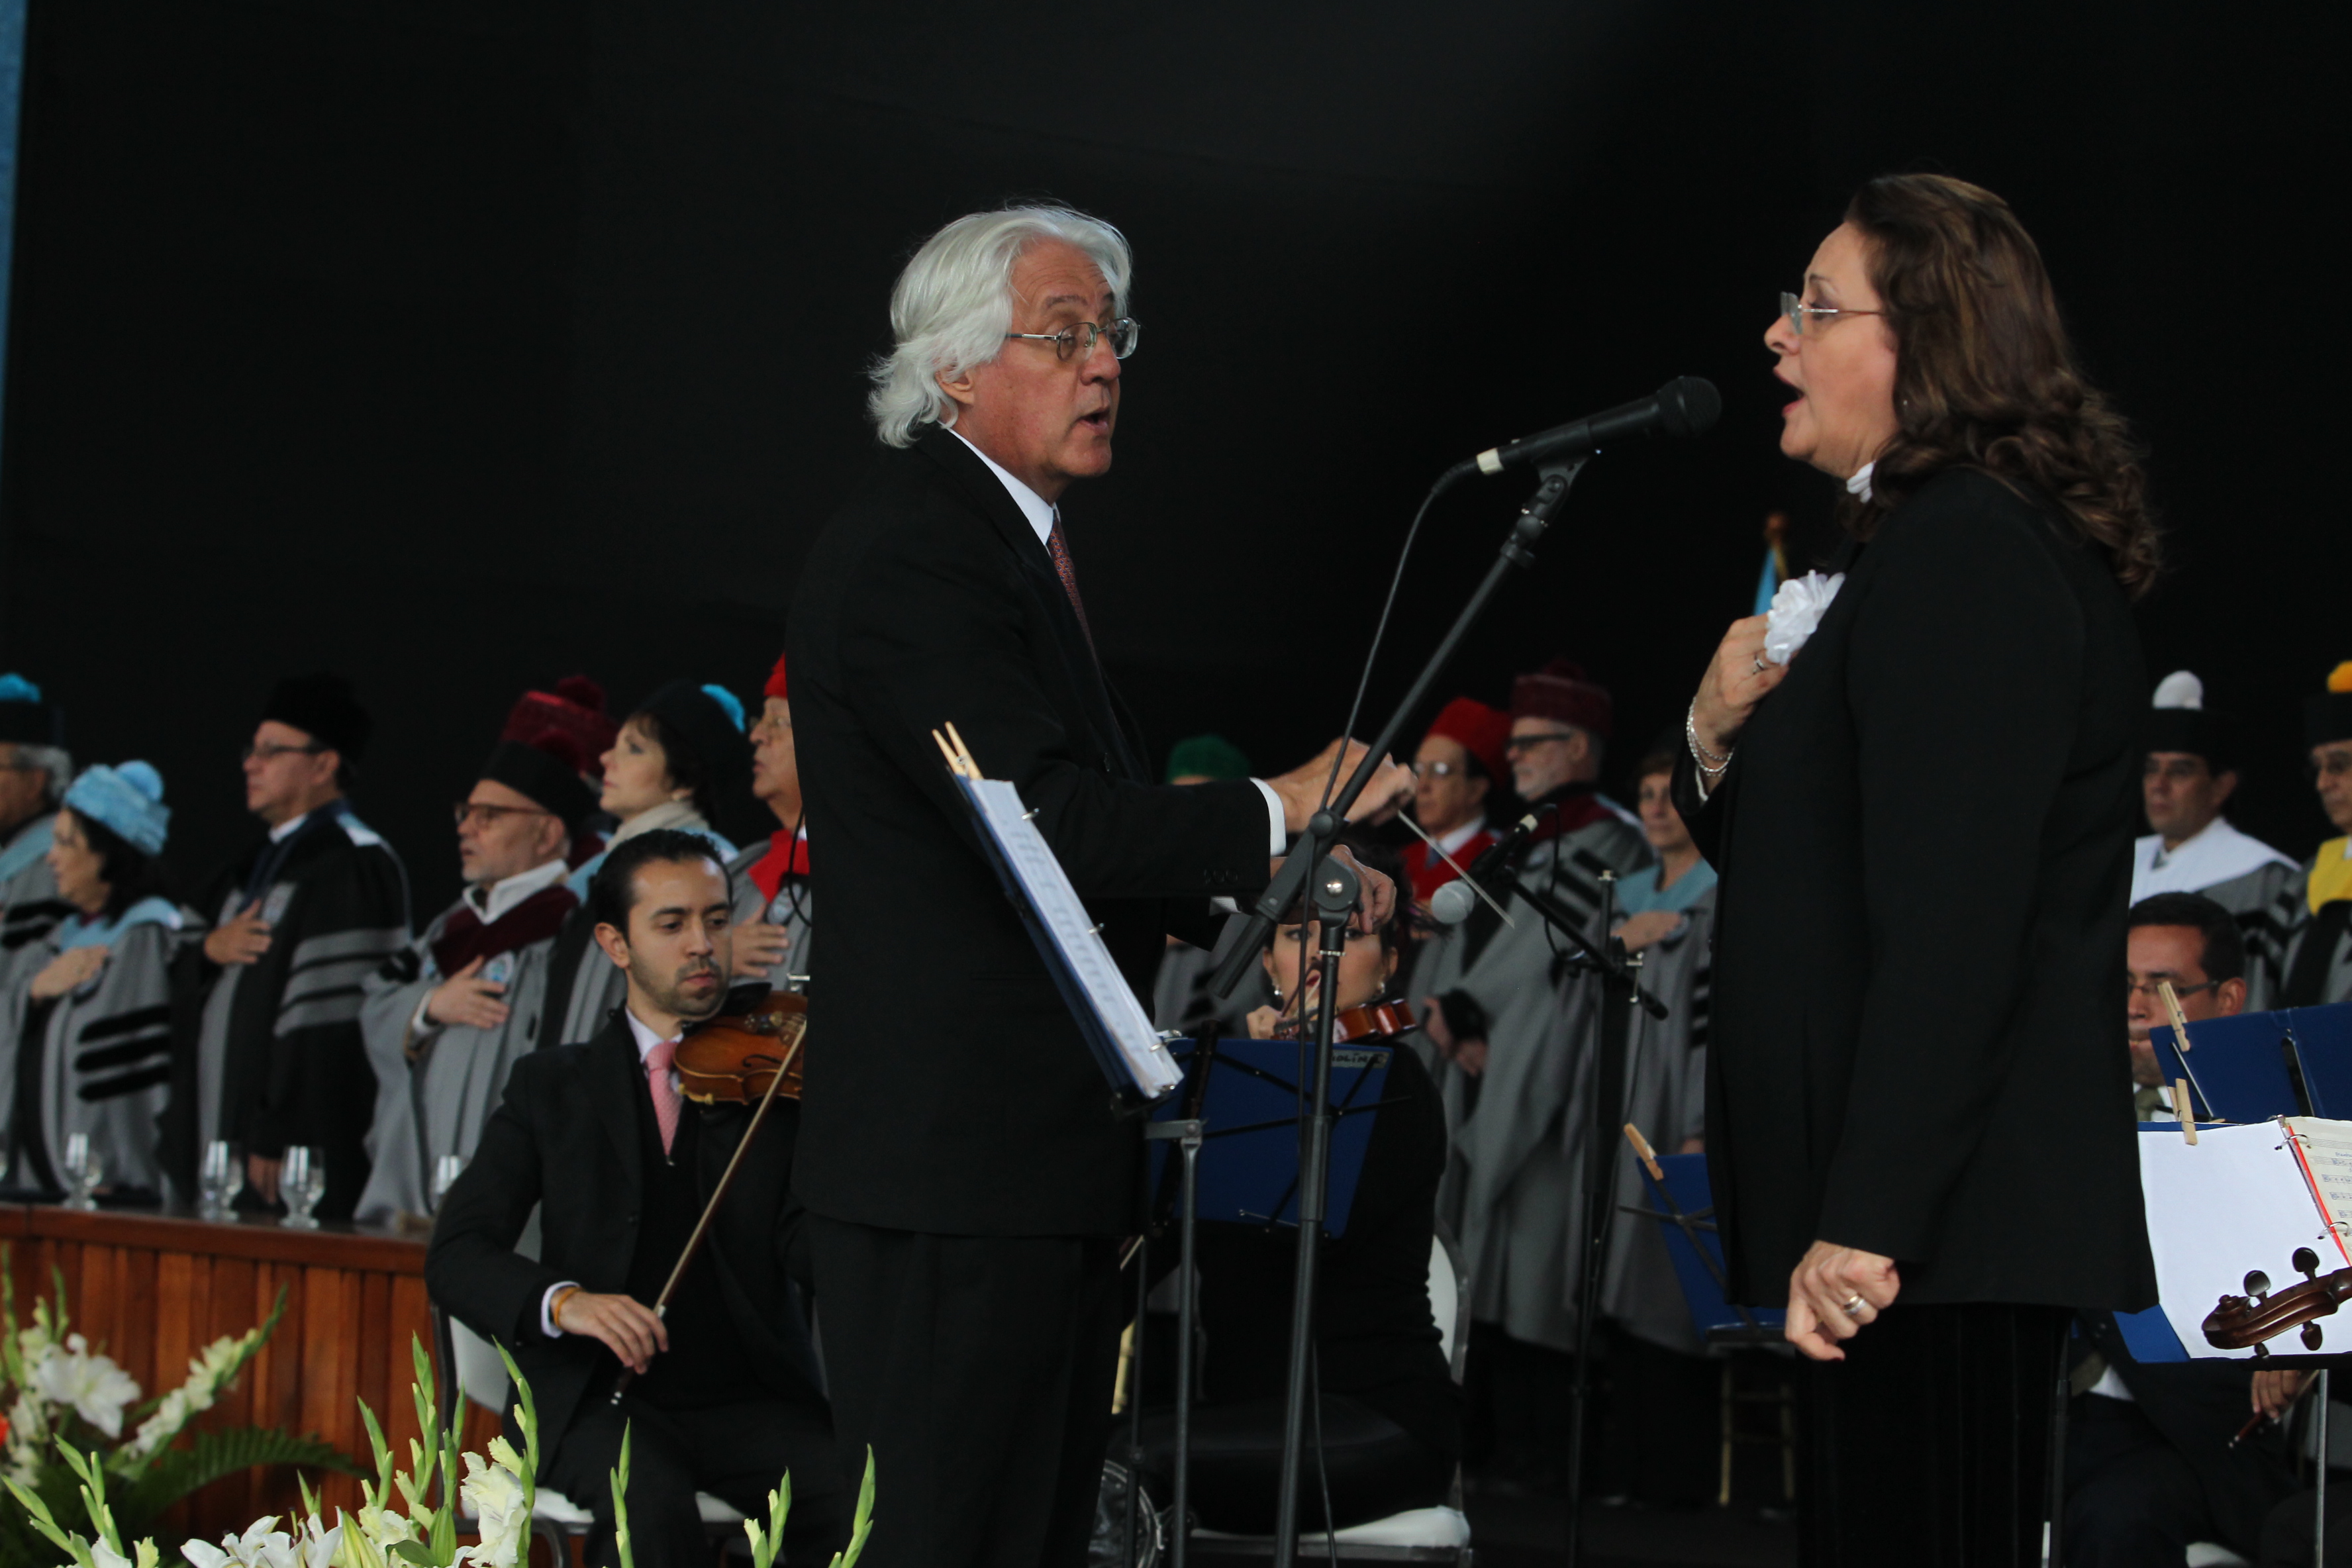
{"x": 966, "y": 1178}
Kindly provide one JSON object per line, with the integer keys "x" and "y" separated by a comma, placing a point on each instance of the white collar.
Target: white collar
{"x": 491, "y": 899}
{"x": 1450, "y": 842}
{"x": 286, "y": 829}
{"x": 1042, "y": 513}
{"x": 1859, "y": 485}
{"x": 647, "y": 1039}
{"x": 2216, "y": 853}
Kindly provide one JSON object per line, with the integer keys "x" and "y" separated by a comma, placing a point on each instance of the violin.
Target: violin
{"x": 733, "y": 1058}
{"x": 1374, "y": 1020}
{"x": 749, "y": 1054}
{"x": 2237, "y": 1322}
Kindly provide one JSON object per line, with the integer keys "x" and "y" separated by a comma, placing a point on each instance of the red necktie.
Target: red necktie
{"x": 1070, "y": 573}
{"x": 657, "y": 1063}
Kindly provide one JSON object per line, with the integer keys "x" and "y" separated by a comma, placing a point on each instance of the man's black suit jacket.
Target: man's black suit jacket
{"x": 1925, "y": 844}
{"x": 949, "y": 1090}
{"x": 566, "y": 1138}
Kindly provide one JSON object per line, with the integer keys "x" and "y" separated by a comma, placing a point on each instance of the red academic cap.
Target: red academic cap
{"x": 574, "y": 709}
{"x": 1481, "y": 730}
{"x": 1559, "y": 691}
{"x": 776, "y": 686}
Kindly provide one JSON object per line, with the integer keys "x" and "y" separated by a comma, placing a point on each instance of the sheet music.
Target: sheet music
{"x": 2234, "y": 1200}
{"x": 1057, "y": 903}
{"x": 2327, "y": 1153}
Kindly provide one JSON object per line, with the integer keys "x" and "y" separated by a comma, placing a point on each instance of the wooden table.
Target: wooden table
{"x": 154, "y": 1289}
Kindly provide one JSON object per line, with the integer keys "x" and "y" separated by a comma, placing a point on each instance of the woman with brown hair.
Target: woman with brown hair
{"x": 1919, "y": 1111}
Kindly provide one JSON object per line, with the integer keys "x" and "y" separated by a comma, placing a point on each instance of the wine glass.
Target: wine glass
{"x": 445, "y": 1171}
{"x": 302, "y": 1182}
{"x": 85, "y": 1169}
{"x": 219, "y": 1179}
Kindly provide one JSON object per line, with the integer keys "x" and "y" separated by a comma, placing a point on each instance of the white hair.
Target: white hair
{"x": 953, "y": 304}
{"x": 55, "y": 764}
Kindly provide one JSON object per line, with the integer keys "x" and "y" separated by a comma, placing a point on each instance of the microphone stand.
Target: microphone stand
{"x": 1333, "y": 879}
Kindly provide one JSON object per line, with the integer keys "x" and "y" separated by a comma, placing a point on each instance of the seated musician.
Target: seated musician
{"x": 1392, "y": 1416}
{"x": 724, "y": 1392}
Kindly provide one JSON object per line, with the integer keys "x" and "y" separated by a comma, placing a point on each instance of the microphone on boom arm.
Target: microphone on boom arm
{"x": 1686, "y": 405}
{"x": 1492, "y": 871}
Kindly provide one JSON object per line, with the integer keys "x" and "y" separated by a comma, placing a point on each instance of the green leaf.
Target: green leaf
{"x": 416, "y": 1551}
{"x": 213, "y": 1455}
{"x": 621, "y": 1503}
{"x": 864, "y": 1525}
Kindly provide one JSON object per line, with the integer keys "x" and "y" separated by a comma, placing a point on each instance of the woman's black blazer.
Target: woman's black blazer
{"x": 1925, "y": 844}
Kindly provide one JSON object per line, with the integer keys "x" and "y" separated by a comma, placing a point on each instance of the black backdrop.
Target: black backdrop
{"x": 461, "y": 344}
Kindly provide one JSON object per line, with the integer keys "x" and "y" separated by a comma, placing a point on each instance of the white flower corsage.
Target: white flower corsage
{"x": 1797, "y": 609}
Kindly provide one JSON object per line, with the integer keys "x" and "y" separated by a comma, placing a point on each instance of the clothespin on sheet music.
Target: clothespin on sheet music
{"x": 2182, "y": 1103}
{"x": 1647, "y": 1155}
{"x": 958, "y": 755}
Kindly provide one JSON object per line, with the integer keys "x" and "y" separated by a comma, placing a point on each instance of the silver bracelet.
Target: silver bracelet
{"x": 1700, "y": 753}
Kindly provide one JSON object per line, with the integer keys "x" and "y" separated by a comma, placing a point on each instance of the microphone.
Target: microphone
{"x": 1685, "y": 405}
{"x": 1452, "y": 904}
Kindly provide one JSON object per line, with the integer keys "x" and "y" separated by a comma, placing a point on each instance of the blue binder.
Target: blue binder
{"x": 1249, "y": 1150}
{"x": 1713, "y": 1317}
{"x": 2247, "y": 1069}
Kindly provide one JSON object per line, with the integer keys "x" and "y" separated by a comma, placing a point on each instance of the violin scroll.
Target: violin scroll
{"x": 2262, "y": 1314}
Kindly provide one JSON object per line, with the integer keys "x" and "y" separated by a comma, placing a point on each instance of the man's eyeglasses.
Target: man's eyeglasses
{"x": 2149, "y": 987}
{"x": 1517, "y": 743}
{"x": 1437, "y": 770}
{"x": 271, "y": 751}
{"x": 1794, "y": 306}
{"x": 2328, "y": 764}
{"x": 2184, "y": 770}
{"x": 467, "y": 810}
{"x": 1077, "y": 342}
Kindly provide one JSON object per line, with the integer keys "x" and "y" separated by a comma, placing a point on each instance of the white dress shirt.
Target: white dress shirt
{"x": 1043, "y": 516}
{"x": 646, "y": 1040}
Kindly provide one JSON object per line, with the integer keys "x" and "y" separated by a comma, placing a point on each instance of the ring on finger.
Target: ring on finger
{"x": 1852, "y": 1306}
{"x": 1760, "y": 664}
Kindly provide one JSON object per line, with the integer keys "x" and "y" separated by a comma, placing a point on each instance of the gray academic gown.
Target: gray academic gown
{"x": 1667, "y": 1099}
{"x": 29, "y": 906}
{"x": 436, "y": 1085}
{"x": 1513, "y": 1179}
{"x": 106, "y": 1049}
{"x": 793, "y": 907}
{"x": 2292, "y": 912}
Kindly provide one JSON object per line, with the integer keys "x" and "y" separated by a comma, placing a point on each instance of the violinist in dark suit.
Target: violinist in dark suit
{"x": 1919, "y": 1126}
{"x": 725, "y": 1397}
{"x": 966, "y": 1179}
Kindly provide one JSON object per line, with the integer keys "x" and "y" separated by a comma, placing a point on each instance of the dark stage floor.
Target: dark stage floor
{"x": 1528, "y": 1532}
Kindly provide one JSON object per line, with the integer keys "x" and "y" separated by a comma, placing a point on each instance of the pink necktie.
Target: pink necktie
{"x": 657, "y": 1062}
{"x": 1061, "y": 554}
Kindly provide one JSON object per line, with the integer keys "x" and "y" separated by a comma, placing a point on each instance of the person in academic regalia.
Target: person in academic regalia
{"x": 86, "y": 1036}
{"x": 574, "y": 709}
{"x": 2190, "y": 774}
{"x": 680, "y": 761}
{"x": 2317, "y": 967}
{"x": 268, "y": 1004}
{"x": 1454, "y": 774}
{"x": 35, "y": 769}
{"x": 446, "y": 1016}
{"x": 1513, "y": 1031}
{"x": 1180, "y": 997}
{"x": 774, "y": 911}
{"x": 1662, "y": 1389}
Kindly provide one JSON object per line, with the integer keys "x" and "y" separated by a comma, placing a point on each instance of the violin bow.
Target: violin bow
{"x": 717, "y": 1194}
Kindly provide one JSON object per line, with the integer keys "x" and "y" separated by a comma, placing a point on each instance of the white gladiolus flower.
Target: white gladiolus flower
{"x": 93, "y": 1385}
{"x": 259, "y": 1547}
{"x": 493, "y": 1493}
{"x": 319, "y": 1543}
{"x": 206, "y": 1373}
